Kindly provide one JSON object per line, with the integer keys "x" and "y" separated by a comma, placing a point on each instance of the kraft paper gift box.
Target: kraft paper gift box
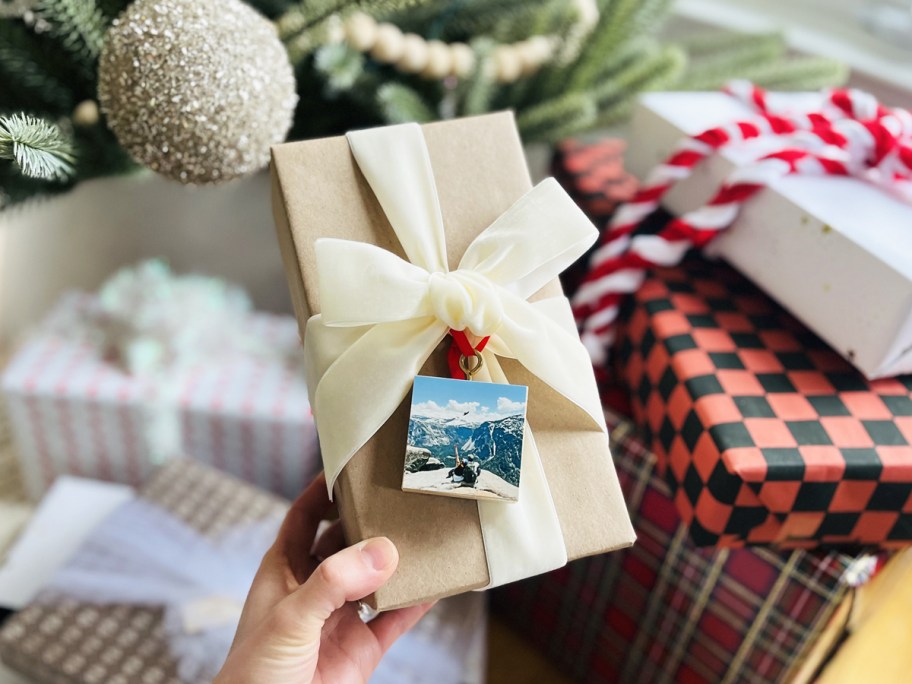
{"x": 668, "y": 611}
{"x": 765, "y": 433}
{"x": 74, "y": 411}
{"x": 835, "y": 251}
{"x": 479, "y": 172}
{"x": 66, "y": 640}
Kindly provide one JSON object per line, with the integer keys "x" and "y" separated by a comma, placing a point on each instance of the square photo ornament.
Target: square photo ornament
{"x": 465, "y": 439}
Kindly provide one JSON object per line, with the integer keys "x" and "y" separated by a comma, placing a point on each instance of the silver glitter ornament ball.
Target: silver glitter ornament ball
{"x": 196, "y": 90}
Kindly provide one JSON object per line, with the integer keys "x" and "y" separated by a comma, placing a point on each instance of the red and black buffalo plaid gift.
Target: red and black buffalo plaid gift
{"x": 666, "y": 611}
{"x": 593, "y": 175}
{"x": 765, "y": 434}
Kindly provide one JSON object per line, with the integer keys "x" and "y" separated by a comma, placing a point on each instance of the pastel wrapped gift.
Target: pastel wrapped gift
{"x": 430, "y": 229}
{"x": 110, "y": 387}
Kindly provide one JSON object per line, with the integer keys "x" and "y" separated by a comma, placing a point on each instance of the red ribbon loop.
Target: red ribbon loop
{"x": 462, "y": 347}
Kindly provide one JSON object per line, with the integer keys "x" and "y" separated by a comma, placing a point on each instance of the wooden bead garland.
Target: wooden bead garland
{"x": 436, "y": 60}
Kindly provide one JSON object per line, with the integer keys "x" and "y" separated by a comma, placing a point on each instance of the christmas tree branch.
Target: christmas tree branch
{"x": 37, "y": 147}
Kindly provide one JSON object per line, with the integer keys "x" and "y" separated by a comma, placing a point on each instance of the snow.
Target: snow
{"x": 488, "y": 486}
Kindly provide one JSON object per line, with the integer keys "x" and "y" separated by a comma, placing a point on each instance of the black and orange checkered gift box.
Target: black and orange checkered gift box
{"x": 766, "y": 435}
{"x": 665, "y": 611}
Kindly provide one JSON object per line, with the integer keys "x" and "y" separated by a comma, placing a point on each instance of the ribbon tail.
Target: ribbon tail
{"x": 359, "y": 388}
{"x": 522, "y": 538}
{"x": 543, "y": 338}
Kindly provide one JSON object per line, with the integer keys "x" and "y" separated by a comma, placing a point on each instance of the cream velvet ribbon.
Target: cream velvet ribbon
{"x": 381, "y": 318}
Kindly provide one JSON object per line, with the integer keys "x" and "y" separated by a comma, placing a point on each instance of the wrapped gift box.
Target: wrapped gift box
{"x": 74, "y": 411}
{"x": 666, "y": 611}
{"x": 60, "y": 639}
{"x": 479, "y": 172}
{"x": 765, "y": 433}
{"x": 835, "y": 251}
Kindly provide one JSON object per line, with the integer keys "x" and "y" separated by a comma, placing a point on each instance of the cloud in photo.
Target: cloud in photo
{"x": 467, "y": 411}
{"x": 507, "y": 406}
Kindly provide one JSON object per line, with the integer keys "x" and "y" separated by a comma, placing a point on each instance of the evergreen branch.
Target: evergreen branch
{"x": 79, "y": 24}
{"x": 552, "y": 119}
{"x": 401, "y": 104}
{"x": 340, "y": 65}
{"x": 607, "y": 38}
{"x": 797, "y": 73}
{"x": 39, "y": 148}
{"x": 615, "y": 97}
{"x": 713, "y": 70}
{"x": 28, "y": 72}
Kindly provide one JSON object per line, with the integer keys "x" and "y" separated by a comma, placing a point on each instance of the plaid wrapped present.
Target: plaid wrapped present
{"x": 73, "y": 411}
{"x": 666, "y": 611}
{"x": 765, "y": 433}
{"x": 593, "y": 175}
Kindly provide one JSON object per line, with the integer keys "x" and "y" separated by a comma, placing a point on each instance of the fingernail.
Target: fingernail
{"x": 378, "y": 553}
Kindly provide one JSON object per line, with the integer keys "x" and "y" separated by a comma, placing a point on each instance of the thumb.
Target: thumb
{"x": 348, "y": 575}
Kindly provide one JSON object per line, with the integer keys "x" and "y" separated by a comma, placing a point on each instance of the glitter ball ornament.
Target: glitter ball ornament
{"x": 197, "y": 90}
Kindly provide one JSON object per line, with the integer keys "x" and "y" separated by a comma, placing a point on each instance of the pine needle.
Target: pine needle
{"x": 79, "y": 24}
{"x": 37, "y": 147}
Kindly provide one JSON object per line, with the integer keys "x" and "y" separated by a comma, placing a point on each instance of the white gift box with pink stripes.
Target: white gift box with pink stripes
{"x": 75, "y": 412}
{"x": 835, "y": 251}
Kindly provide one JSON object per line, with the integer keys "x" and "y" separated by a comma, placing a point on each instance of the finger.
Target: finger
{"x": 305, "y": 514}
{"x": 348, "y": 575}
{"x": 387, "y": 627}
{"x": 331, "y": 541}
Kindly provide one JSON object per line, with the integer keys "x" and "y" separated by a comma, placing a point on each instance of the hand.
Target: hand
{"x": 299, "y": 625}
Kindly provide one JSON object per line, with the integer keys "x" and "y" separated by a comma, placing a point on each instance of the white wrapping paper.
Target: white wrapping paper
{"x": 836, "y": 252}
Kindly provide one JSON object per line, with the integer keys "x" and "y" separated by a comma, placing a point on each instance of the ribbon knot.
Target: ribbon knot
{"x": 465, "y": 300}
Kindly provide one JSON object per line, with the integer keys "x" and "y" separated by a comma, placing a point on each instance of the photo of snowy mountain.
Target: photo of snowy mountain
{"x": 465, "y": 439}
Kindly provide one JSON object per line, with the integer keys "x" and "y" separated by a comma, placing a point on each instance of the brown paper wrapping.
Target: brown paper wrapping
{"x": 480, "y": 170}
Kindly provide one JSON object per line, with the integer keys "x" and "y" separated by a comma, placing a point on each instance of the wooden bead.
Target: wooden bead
{"x": 86, "y": 113}
{"x": 390, "y": 44}
{"x": 361, "y": 31}
{"x": 507, "y": 64}
{"x": 414, "y": 54}
{"x": 463, "y": 60}
{"x": 533, "y": 53}
{"x": 440, "y": 61}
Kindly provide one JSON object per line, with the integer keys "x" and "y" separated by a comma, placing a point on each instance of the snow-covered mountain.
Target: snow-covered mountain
{"x": 497, "y": 444}
{"x": 498, "y": 447}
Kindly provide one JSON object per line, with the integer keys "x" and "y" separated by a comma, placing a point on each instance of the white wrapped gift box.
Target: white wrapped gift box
{"x": 835, "y": 251}
{"x": 74, "y": 412}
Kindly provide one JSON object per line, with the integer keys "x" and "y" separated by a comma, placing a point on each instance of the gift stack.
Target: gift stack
{"x": 156, "y": 366}
{"x": 765, "y": 433}
{"x": 748, "y": 430}
{"x": 667, "y": 611}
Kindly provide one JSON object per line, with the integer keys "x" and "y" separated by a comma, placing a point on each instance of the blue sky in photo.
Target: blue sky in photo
{"x": 469, "y": 401}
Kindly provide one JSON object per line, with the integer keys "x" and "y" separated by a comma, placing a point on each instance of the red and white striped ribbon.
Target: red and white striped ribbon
{"x": 850, "y": 134}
